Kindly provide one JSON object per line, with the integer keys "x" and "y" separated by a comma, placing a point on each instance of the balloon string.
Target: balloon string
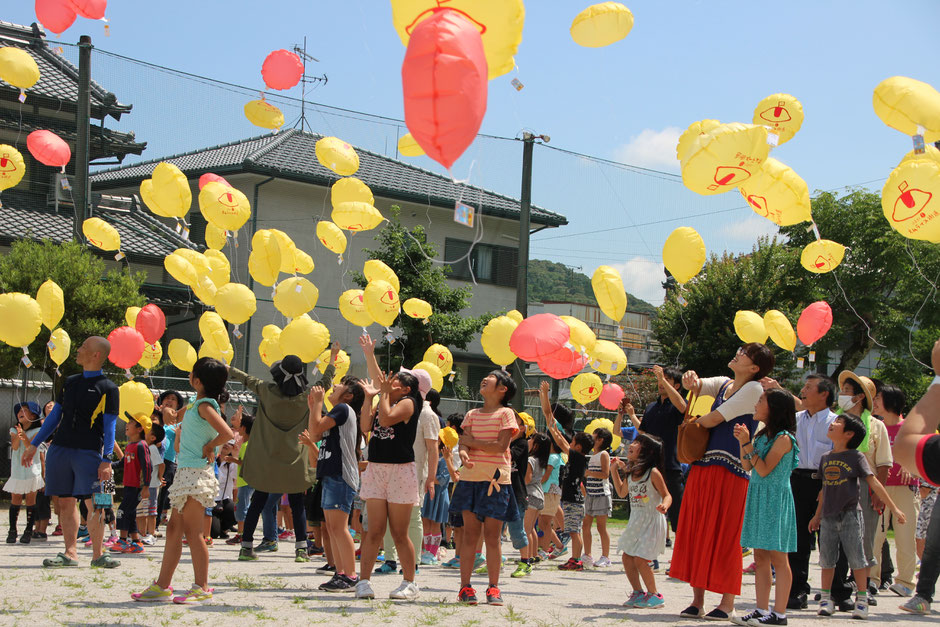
{"x": 930, "y": 295}
{"x": 907, "y": 245}
{"x": 684, "y": 335}
{"x": 849, "y": 303}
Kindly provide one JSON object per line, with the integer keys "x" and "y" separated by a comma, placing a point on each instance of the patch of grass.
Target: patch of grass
{"x": 298, "y": 600}
{"x": 472, "y": 622}
{"x": 514, "y": 617}
{"x": 344, "y": 610}
{"x": 243, "y": 582}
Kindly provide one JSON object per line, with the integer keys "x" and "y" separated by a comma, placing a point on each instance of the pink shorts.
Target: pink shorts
{"x": 395, "y": 483}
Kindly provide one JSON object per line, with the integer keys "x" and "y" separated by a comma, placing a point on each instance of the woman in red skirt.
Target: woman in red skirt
{"x": 707, "y": 550}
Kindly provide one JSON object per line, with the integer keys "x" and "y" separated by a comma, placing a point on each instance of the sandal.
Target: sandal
{"x": 59, "y": 561}
{"x": 105, "y": 561}
{"x": 691, "y": 612}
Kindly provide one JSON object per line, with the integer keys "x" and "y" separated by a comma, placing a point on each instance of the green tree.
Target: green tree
{"x": 95, "y": 299}
{"x": 549, "y": 280}
{"x": 405, "y": 253}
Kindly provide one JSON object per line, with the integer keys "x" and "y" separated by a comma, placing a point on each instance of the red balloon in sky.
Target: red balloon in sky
{"x": 611, "y": 396}
{"x": 127, "y": 347}
{"x": 282, "y": 69}
{"x": 814, "y": 322}
{"x": 56, "y": 15}
{"x": 562, "y": 364}
{"x": 209, "y": 177}
{"x": 92, "y": 9}
{"x": 151, "y": 323}
{"x": 444, "y": 80}
{"x": 48, "y": 148}
{"x": 538, "y": 336}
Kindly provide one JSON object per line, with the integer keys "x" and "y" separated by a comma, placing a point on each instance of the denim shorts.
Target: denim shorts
{"x": 337, "y": 494}
{"x": 574, "y": 516}
{"x": 847, "y": 529}
{"x": 472, "y": 496}
{"x": 244, "y": 500}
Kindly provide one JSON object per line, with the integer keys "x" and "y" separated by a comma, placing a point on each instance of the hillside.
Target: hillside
{"x": 555, "y": 281}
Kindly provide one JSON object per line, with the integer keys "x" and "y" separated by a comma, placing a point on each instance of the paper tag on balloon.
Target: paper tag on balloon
{"x": 619, "y": 333}
{"x": 237, "y": 333}
{"x": 799, "y": 362}
{"x": 51, "y": 345}
{"x": 22, "y": 96}
{"x": 185, "y": 232}
{"x": 127, "y": 373}
{"x": 107, "y": 30}
{"x": 517, "y": 84}
{"x": 773, "y": 139}
{"x": 812, "y": 356}
{"x": 450, "y": 377}
{"x": 26, "y": 361}
{"x": 919, "y": 148}
{"x": 463, "y": 214}
{"x": 179, "y": 227}
{"x": 389, "y": 338}
{"x": 613, "y": 366}
{"x": 64, "y": 182}
{"x": 119, "y": 256}
{"x": 298, "y": 288}
{"x": 683, "y": 301}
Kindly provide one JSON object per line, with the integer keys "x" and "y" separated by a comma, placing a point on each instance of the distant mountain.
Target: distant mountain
{"x": 555, "y": 281}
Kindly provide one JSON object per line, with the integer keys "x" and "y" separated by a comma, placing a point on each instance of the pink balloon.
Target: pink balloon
{"x": 611, "y": 396}
{"x": 48, "y": 148}
{"x": 151, "y": 323}
{"x": 814, "y": 322}
{"x": 92, "y": 9}
{"x": 562, "y": 364}
{"x": 539, "y": 335}
{"x": 282, "y": 69}
{"x": 127, "y": 347}
{"x": 209, "y": 177}
{"x": 56, "y": 15}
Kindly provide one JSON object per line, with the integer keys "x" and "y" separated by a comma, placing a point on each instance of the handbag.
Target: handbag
{"x": 692, "y": 437}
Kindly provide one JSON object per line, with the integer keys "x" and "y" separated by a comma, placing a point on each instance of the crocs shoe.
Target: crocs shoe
{"x": 154, "y": 593}
{"x": 105, "y": 561}
{"x": 194, "y": 596}
{"x": 59, "y": 561}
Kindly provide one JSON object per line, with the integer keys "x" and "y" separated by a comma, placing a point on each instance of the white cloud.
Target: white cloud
{"x": 651, "y": 149}
{"x": 643, "y": 278}
{"x": 749, "y": 229}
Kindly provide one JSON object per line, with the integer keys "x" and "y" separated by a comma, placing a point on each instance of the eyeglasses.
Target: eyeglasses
{"x": 741, "y": 351}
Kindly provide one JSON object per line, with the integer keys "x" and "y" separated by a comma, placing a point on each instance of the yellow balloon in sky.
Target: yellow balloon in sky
{"x": 350, "y": 189}
{"x": 101, "y": 235}
{"x": 582, "y": 337}
{"x": 607, "y": 357}
{"x": 515, "y": 315}
{"x": 205, "y": 290}
{"x": 212, "y": 329}
{"x": 18, "y": 67}
{"x": 750, "y": 327}
{"x": 305, "y": 338}
{"x": 341, "y": 365}
{"x": 905, "y": 104}
{"x": 224, "y": 206}
{"x": 336, "y": 155}
{"x": 778, "y": 193}
{"x": 224, "y": 353}
{"x": 60, "y": 345}
{"x": 130, "y": 316}
{"x": 780, "y": 329}
{"x": 684, "y": 253}
{"x": 352, "y": 307}
{"x": 499, "y": 22}
{"x": 495, "y": 340}
{"x": 288, "y": 250}
{"x": 235, "y": 302}
{"x": 601, "y": 25}
{"x": 689, "y": 135}
{"x": 586, "y": 387}
{"x": 180, "y": 269}
{"x": 264, "y": 261}
{"x": 216, "y": 238}
{"x": 270, "y": 347}
{"x": 151, "y": 357}
{"x": 440, "y": 356}
{"x": 356, "y": 216}
{"x": 51, "y": 302}
{"x": 199, "y": 261}
{"x": 220, "y": 269}
{"x": 609, "y": 292}
{"x": 264, "y": 114}
{"x": 724, "y": 157}
{"x": 135, "y": 398}
{"x": 822, "y": 256}
{"x": 782, "y": 114}
{"x": 417, "y": 309}
{"x": 381, "y": 299}
{"x": 167, "y": 192}
{"x": 303, "y": 263}
{"x": 12, "y": 167}
{"x": 375, "y": 269}
{"x": 907, "y": 199}
{"x": 22, "y": 319}
{"x": 182, "y": 354}
{"x": 408, "y": 147}
{"x": 295, "y": 296}
{"x": 332, "y": 237}
{"x": 437, "y": 378}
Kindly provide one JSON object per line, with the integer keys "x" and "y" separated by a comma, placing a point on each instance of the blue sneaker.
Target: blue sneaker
{"x": 82, "y": 532}
{"x": 387, "y": 568}
{"x": 453, "y": 562}
{"x": 651, "y": 601}
{"x": 635, "y": 597}
{"x": 478, "y": 561}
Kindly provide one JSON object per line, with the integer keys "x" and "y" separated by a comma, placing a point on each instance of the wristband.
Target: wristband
{"x": 936, "y": 381}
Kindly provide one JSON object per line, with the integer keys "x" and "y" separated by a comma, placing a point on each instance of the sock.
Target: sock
{"x": 14, "y": 514}
{"x": 30, "y": 513}
{"x": 780, "y": 614}
{"x": 826, "y": 595}
{"x": 861, "y": 597}
{"x": 763, "y": 612}
{"x": 426, "y": 543}
{"x": 435, "y": 544}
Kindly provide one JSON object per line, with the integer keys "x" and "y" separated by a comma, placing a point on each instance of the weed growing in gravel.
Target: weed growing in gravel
{"x": 513, "y": 616}
{"x": 243, "y": 582}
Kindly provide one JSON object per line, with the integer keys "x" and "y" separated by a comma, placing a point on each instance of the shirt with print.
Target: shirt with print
{"x": 84, "y": 400}
{"x": 594, "y": 486}
{"x": 155, "y": 460}
{"x": 338, "y": 452}
{"x": 572, "y": 477}
{"x": 486, "y": 426}
{"x": 839, "y": 472}
{"x": 137, "y": 466}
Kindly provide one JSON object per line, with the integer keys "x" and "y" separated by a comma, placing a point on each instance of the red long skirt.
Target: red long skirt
{"x": 707, "y": 550}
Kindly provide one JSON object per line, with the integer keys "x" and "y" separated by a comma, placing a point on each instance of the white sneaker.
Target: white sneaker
{"x": 406, "y": 591}
{"x": 587, "y": 560}
{"x": 861, "y": 610}
{"x": 364, "y": 589}
{"x": 603, "y": 562}
{"x": 148, "y": 540}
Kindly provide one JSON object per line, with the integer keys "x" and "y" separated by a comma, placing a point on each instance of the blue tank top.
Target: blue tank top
{"x": 723, "y": 449}
{"x": 196, "y": 433}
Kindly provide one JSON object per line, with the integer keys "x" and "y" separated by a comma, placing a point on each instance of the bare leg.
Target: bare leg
{"x": 399, "y": 517}
{"x": 95, "y": 528}
{"x": 643, "y": 567}
{"x": 629, "y": 567}
{"x": 344, "y": 551}
{"x": 68, "y": 518}
{"x": 549, "y": 536}
{"x": 369, "y": 547}
{"x": 698, "y": 598}
{"x": 604, "y": 534}
{"x": 472, "y": 528}
{"x": 784, "y": 578}
{"x": 586, "y": 534}
{"x": 194, "y": 515}
{"x": 172, "y": 550}
{"x": 494, "y": 559}
{"x": 576, "y": 545}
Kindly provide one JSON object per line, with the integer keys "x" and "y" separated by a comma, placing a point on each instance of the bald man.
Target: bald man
{"x": 83, "y": 420}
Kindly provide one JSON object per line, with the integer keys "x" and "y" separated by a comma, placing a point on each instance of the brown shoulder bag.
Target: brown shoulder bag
{"x": 692, "y": 439}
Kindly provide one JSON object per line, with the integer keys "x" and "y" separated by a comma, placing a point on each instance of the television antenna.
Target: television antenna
{"x": 301, "y": 51}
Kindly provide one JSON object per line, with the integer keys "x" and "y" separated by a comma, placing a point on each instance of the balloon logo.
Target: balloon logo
{"x": 12, "y": 167}
{"x": 822, "y": 256}
{"x": 907, "y": 196}
{"x": 586, "y": 387}
{"x": 782, "y": 113}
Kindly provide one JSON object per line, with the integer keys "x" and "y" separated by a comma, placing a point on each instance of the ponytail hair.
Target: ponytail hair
{"x": 213, "y": 375}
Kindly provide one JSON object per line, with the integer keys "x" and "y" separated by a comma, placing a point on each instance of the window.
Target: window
{"x": 490, "y": 264}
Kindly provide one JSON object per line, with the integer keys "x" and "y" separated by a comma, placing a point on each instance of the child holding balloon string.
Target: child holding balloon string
{"x": 24, "y": 481}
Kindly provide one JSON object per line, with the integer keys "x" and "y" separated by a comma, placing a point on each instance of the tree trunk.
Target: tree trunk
{"x": 859, "y": 346}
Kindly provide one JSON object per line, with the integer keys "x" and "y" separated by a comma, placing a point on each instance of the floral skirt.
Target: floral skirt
{"x": 194, "y": 483}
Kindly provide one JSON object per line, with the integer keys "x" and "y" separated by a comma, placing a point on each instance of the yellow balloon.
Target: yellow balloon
{"x": 220, "y": 270}
{"x": 270, "y": 347}
{"x": 18, "y": 67}
{"x": 601, "y": 24}
{"x": 22, "y": 319}
{"x": 777, "y": 193}
{"x": 605, "y": 423}
{"x": 182, "y": 354}
{"x": 264, "y": 114}
{"x": 437, "y": 378}
{"x": 295, "y": 296}
{"x": 235, "y": 302}
{"x": 135, "y": 399}
{"x": 822, "y": 256}
{"x": 303, "y": 263}
{"x": 101, "y": 235}
{"x": 582, "y": 338}
{"x": 180, "y": 269}
{"x": 750, "y": 327}
{"x": 374, "y": 269}
{"x": 151, "y": 357}
{"x": 499, "y": 22}
{"x": 167, "y": 192}
{"x": 352, "y": 307}
{"x": 305, "y": 338}
{"x": 417, "y": 308}
{"x": 130, "y": 316}
{"x": 684, "y": 253}
{"x": 336, "y": 155}
{"x": 702, "y": 406}
{"x": 271, "y": 332}
{"x": 782, "y": 114}
{"x": 929, "y": 153}
{"x": 780, "y": 329}
{"x": 199, "y": 261}
{"x": 356, "y": 216}
{"x": 216, "y": 238}
{"x": 60, "y": 345}
{"x": 691, "y": 134}
{"x": 515, "y": 315}
{"x": 350, "y": 189}
{"x": 607, "y": 357}
{"x": 440, "y": 356}
{"x": 212, "y": 329}
{"x": 332, "y": 237}
{"x": 12, "y": 167}
{"x": 586, "y": 387}
{"x": 724, "y": 157}
{"x": 223, "y": 206}
{"x": 225, "y": 354}
{"x": 381, "y": 299}
{"x": 448, "y": 435}
{"x": 341, "y": 365}
{"x": 408, "y": 147}
{"x": 288, "y": 250}
{"x": 905, "y": 104}
{"x": 609, "y": 292}
{"x": 264, "y": 262}
{"x": 495, "y": 340}
{"x": 907, "y": 199}
{"x": 205, "y": 290}
{"x": 51, "y": 302}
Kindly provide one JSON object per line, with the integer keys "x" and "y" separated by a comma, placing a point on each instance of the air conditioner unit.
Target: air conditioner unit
{"x": 61, "y": 193}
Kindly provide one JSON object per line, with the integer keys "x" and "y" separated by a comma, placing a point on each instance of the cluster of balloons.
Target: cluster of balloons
{"x": 751, "y": 327}
{"x": 23, "y": 317}
{"x": 282, "y": 69}
{"x": 59, "y": 15}
{"x": 18, "y": 68}
{"x": 138, "y": 343}
{"x": 913, "y": 108}
{"x": 378, "y": 302}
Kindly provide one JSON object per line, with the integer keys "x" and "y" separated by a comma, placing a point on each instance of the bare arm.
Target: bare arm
{"x": 528, "y": 473}
{"x": 626, "y": 407}
{"x": 501, "y": 444}
{"x": 659, "y": 484}
{"x": 449, "y": 460}
{"x": 368, "y": 351}
{"x": 605, "y": 468}
{"x": 547, "y": 473}
{"x": 675, "y": 397}
{"x": 210, "y": 415}
{"x": 879, "y": 489}
{"x": 558, "y": 437}
{"x": 814, "y": 523}
{"x": 920, "y": 421}
{"x": 762, "y": 466}
{"x": 620, "y": 486}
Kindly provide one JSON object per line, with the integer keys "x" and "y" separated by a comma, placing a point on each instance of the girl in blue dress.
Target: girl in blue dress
{"x": 769, "y": 514}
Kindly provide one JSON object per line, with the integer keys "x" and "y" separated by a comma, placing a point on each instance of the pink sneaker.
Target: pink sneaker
{"x": 286, "y": 535}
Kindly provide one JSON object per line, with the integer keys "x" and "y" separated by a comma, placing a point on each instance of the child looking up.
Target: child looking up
{"x": 24, "y": 481}
{"x": 539, "y": 450}
{"x": 148, "y": 507}
{"x": 137, "y": 469}
{"x": 597, "y": 503}
{"x": 244, "y": 490}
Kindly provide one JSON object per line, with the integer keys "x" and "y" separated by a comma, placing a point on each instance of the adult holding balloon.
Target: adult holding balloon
{"x": 83, "y": 420}
{"x": 708, "y": 542}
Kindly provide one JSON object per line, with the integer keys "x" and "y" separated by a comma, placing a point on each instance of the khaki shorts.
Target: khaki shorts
{"x": 550, "y": 505}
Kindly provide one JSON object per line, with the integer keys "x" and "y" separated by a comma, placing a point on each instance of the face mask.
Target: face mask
{"x": 846, "y": 402}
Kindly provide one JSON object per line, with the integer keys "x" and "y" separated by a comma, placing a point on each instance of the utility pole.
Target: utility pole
{"x": 82, "y": 117}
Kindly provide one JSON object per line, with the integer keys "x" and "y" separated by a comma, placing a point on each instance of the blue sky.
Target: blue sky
{"x": 682, "y": 62}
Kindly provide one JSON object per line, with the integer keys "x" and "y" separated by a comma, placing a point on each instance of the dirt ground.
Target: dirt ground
{"x": 275, "y": 588}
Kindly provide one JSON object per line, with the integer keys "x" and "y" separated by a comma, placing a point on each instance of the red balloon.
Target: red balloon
{"x": 611, "y": 395}
{"x": 814, "y": 322}
{"x": 48, "y": 148}
{"x": 538, "y": 336}
{"x": 282, "y": 69}
{"x": 151, "y": 323}
{"x": 127, "y": 347}
{"x": 444, "y": 80}
{"x": 56, "y": 15}
{"x": 209, "y": 177}
{"x": 92, "y": 9}
{"x": 562, "y": 364}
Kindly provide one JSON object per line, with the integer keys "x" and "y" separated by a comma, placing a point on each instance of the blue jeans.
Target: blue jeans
{"x": 244, "y": 499}
{"x": 269, "y": 517}
{"x": 930, "y": 563}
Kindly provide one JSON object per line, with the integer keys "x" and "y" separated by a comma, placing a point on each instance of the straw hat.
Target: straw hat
{"x": 867, "y": 385}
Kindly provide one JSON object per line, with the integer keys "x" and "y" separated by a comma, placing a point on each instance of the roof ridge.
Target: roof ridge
{"x": 279, "y": 139}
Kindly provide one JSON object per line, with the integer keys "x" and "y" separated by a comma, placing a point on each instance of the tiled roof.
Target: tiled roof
{"x": 58, "y": 82}
{"x": 103, "y": 142}
{"x": 290, "y": 154}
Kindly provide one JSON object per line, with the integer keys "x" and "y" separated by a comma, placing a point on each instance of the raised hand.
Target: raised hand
{"x": 691, "y": 382}
{"x": 369, "y": 387}
{"x": 367, "y": 344}
{"x": 741, "y": 434}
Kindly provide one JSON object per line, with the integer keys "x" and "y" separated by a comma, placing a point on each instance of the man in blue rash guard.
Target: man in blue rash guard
{"x": 83, "y": 420}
